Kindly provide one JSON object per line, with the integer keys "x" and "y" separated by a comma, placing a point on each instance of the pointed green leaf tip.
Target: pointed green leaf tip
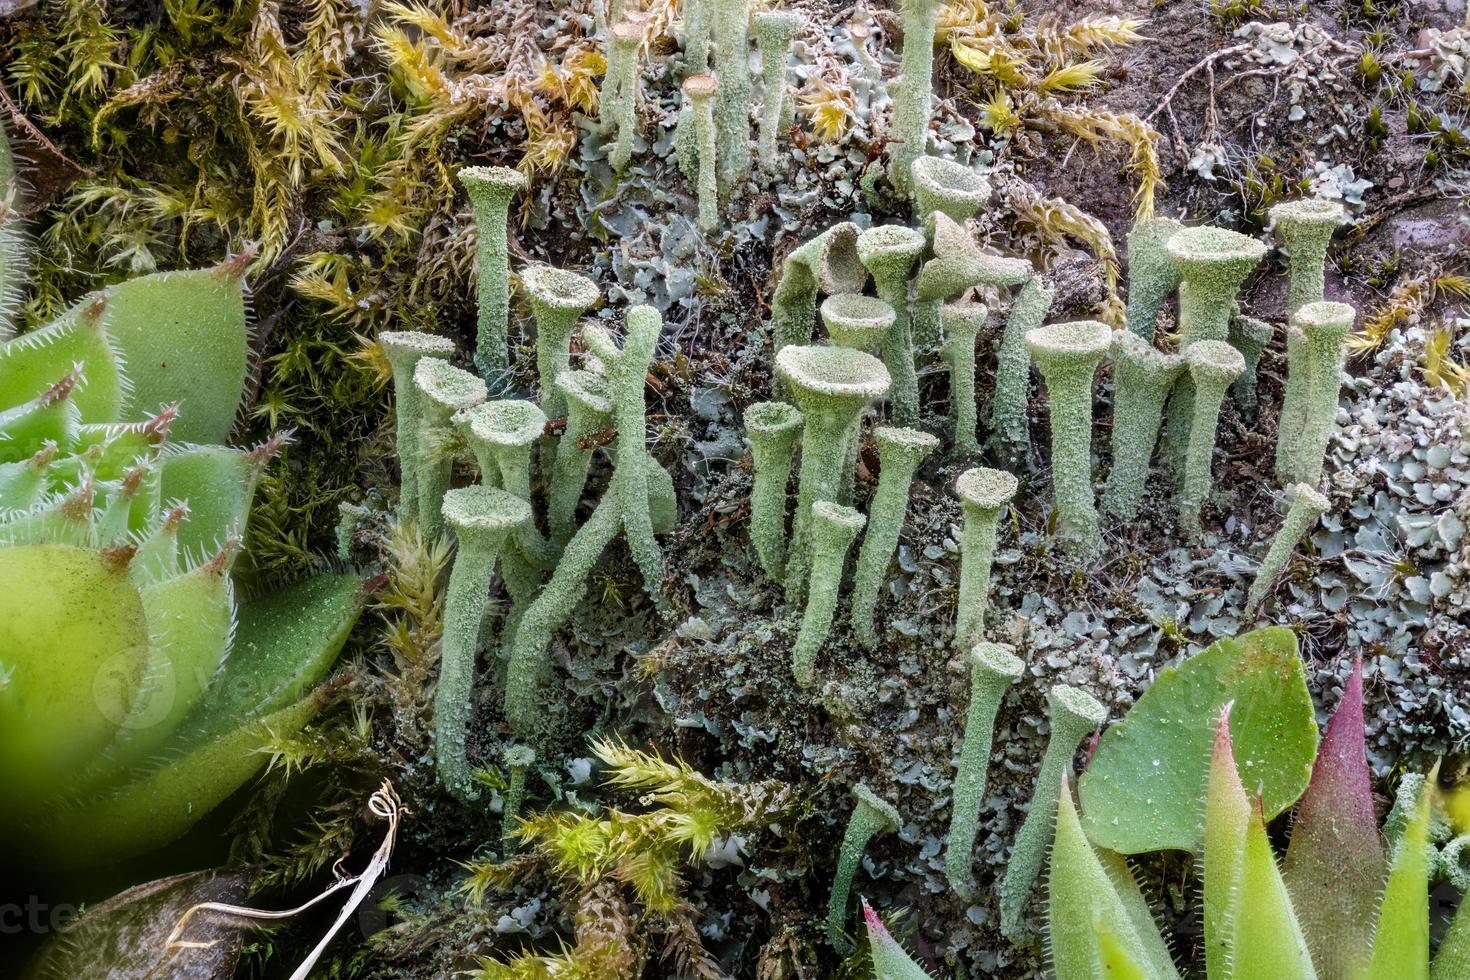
{"x": 1141, "y": 791}
{"x": 1092, "y": 920}
{"x": 1401, "y": 939}
{"x": 890, "y": 962}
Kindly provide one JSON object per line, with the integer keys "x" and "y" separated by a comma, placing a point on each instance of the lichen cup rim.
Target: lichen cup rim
{"x": 1215, "y": 359}
{"x": 999, "y": 658}
{"x": 890, "y": 241}
{"x": 854, "y": 313}
{"x": 1316, "y": 498}
{"x": 771, "y": 418}
{"x": 950, "y": 178}
{"x": 586, "y": 388}
{"x": 780, "y": 18}
{"x": 986, "y": 487}
{"x": 1074, "y": 338}
{"x": 507, "y": 422}
{"x": 1197, "y": 245}
{"x": 1325, "y": 313}
{"x": 700, "y": 86}
{"x": 839, "y": 514}
{"x": 492, "y": 177}
{"x": 627, "y": 31}
{"x": 902, "y": 437}
{"x": 448, "y": 385}
{"x": 1133, "y": 349}
{"x": 414, "y": 342}
{"x": 951, "y": 239}
{"x": 1077, "y": 703}
{"x": 969, "y": 312}
{"x": 560, "y": 289}
{"x": 482, "y": 508}
{"x": 886, "y": 810}
{"x": 837, "y": 372}
{"x": 1004, "y": 270}
{"x": 1309, "y": 211}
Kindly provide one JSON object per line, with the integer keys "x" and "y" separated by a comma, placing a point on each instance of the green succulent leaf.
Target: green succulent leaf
{"x": 1401, "y": 939}
{"x": 31, "y": 363}
{"x": 1268, "y": 939}
{"x": 218, "y": 484}
{"x": 1453, "y": 959}
{"x": 1141, "y": 791}
{"x": 890, "y": 961}
{"x": 73, "y": 648}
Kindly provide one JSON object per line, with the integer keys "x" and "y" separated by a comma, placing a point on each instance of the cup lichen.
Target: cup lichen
{"x": 955, "y": 265}
{"x": 619, "y": 103}
{"x": 984, "y": 495}
{"x": 962, "y": 323}
{"x": 772, "y": 429}
{"x": 914, "y": 89}
{"x": 832, "y": 529}
{"x": 558, "y": 298}
{"x": 1324, "y": 328}
{"x": 1307, "y": 505}
{"x": 856, "y": 321}
{"x": 871, "y": 816}
{"x": 774, "y": 30}
{"x": 1306, "y": 227}
{"x": 700, "y": 90}
{"x": 1142, "y": 378}
{"x": 589, "y": 412}
{"x": 1213, "y": 366}
{"x": 948, "y": 187}
{"x": 490, "y": 191}
{"x": 443, "y": 391}
{"x": 404, "y": 350}
{"x": 1152, "y": 274}
{"x": 1010, "y": 432}
{"x": 889, "y": 253}
{"x": 1251, "y": 337}
{"x": 829, "y": 263}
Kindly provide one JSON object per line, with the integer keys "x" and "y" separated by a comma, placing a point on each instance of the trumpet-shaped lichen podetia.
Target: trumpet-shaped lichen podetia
{"x": 732, "y": 109}
{"x": 1323, "y": 327}
{"x": 984, "y": 495}
{"x": 772, "y": 429}
{"x": 501, "y": 434}
{"x": 1152, "y": 274}
{"x": 832, "y": 386}
{"x": 1306, "y": 228}
{"x": 700, "y": 90}
{"x": 1213, "y": 367}
{"x": 1067, "y": 355}
{"x": 482, "y": 518}
{"x": 1143, "y": 375}
{"x": 1010, "y": 434}
{"x": 900, "y": 451}
{"x": 1074, "y": 715}
{"x": 589, "y": 411}
{"x": 889, "y": 252}
{"x": 962, "y": 323}
{"x": 833, "y": 528}
{"x": 1251, "y": 337}
{"x": 404, "y": 350}
{"x": 1307, "y": 505}
{"x": 993, "y": 668}
{"x": 558, "y": 299}
{"x": 871, "y": 816}
{"x": 914, "y": 89}
{"x": 856, "y": 321}
{"x": 518, "y": 761}
{"x": 947, "y": 187}
{"x": 774, "y": 30}
{"x": 490, "y": 191}
{"x": 829, "y": 263}
{"x": 443, "y": 390}
{"x": 620, "y": 90}
{"x": 956, "y": 265}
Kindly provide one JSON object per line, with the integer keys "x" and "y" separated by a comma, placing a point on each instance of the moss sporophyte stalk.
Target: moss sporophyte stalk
{"x": 490, "y": 191}
{"x": 871, "y": 815}
{"x": 984, "y": 494}
{"x": 832, "y": 529}
{"x": 889, "y": 253}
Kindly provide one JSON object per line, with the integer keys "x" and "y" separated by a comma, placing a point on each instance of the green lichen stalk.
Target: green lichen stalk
{"x": 404, "y": 350}
{"x": 518, "y": 762}
{"x": 870, "y": 817}
{"x": 1213, "y": 367}
{"x": 1067, "y": 355}
{"x": 589, "y": 411}
{"x": 993, "y": 668}
{"x": 948, "y": 187}
{"x": 1307, "y": 505}
{"x": 490, "y": 191}
{"x": 1324, "y": 326}
{"x": 914, "y": 89}
{"x": 482, "y": 518}
{"x": 774, "y": 30}
{"x": 832, "y": 386}
{"x": 1293, "y": 403}
{"x": 1142, "y": 378}
{"x": 900, "y": 451}
{"x": 700, "y": 90}
{"x": 1251, "y": 337}
{"x": 829, "y": 263}
{"x": 443, "y": 391}
{"x": 1152, "y": 274}
{"x": 962, "y": 324}
{"x": 889, "y": 252}
{"x": 955, "y": 265}
{"x": 558, "y": 299}
{"x": 772, "y": 429}
{"x": 984, "y": 495}
{"x": 731, "y": 26}
{"x": 857, "y": 322}
{"x": 697, "y": 15}
{"x": 1074, "y": 715}
{"x": 625, "y": 505}
{"x": 502, "y": 434}
{"x": 1306, "y": 228}
{"x": 1010, "y": 433}
{"x": 620, "y": 90}
{"x": 833, "y": 528}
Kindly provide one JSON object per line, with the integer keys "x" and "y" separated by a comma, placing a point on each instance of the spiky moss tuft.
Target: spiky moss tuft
{"x": 1142, "y": 378}
{"x": 1307, "y": 505}
{"x": 833, "y": 528}
{"x": 889, "y": 253}
{"x": 1010, "y": 434}
{"x": 993, "y": 668}
{"x": 984, "y": 495}
{"x": 404, "y": 351}
{"x": 1067, "y": 355}
{"x": 772, "y": 429}
{"x": 490, "y": 191}
{"x": 482, "y": 519}
{"x": 1213, "y": 262}
{"x": 443, "y": 390}
{"x": 962, "y": 323}
{"x": 1152, "y": 274}
{"x": 774, "y": 30}
{"x": 1213, "y": 367}
{"x": 731, "y": 25}
{"x": 857, "y": 322}
{"x": 948, "y": 187}
{"x": 1306, "y": 228}
{"x": 900, "y": 451}
{"x": 1323, "y": 327}
{"x": 871, "y": 816}
{"x": 626, "y": 505}
{"x": 911, "y": 99}
{"x": 518, "y": 761}
{"x": 1251, "y": 337}
{"x": 558, "y": 299}
{"x": 1074, "y": 714}
{"x": 832, "y": 386}
{"x": 620, "y": 90}
{"x": 956, "y": 264}
{"x": 829, "y": 263}
{"x": 589, "y": 410}
{"x": 700, "y": 91}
